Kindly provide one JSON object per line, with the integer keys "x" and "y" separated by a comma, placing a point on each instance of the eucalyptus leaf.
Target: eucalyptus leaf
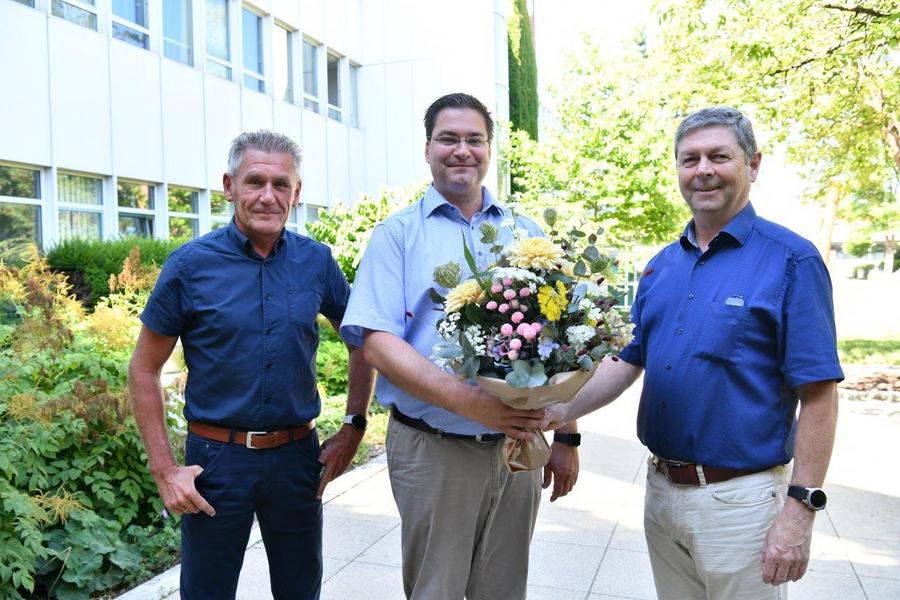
{"x": 580, "y": 269}
{"x": 585, "y": 362}
{"x": 524, "y": 375}
{"x": 470, "y": 367}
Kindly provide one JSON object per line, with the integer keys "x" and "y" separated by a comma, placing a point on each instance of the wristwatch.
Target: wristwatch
{"x": 358, "y": 422}
{"x": 569, "y": 439}
{"x": 813, "y": 498}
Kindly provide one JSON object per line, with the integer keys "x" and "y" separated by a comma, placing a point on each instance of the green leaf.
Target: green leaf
{"x": 436, "y": 297}
{"x": 524, "y": 375}
{"x": 580, "y": 269}
{"x": 470, "y": 260}
{"x": 585, "y": 362}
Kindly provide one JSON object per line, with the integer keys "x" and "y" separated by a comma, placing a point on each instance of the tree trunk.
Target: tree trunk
{"x": 831, "y": 205}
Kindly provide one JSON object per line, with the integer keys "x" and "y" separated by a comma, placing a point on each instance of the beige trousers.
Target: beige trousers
{"x": 706, "y": 542}
{"x": 466, "y": 520}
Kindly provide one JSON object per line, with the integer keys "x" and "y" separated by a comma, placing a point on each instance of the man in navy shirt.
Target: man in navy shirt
{"x": 734, "y": 325}
{"x": 244, "y": 301}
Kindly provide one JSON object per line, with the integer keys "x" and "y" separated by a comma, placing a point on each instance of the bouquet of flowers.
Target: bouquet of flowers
{"x": 531, "y": 328}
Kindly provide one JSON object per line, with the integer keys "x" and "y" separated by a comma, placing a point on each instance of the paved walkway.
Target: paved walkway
{"x": 590, "y": 545}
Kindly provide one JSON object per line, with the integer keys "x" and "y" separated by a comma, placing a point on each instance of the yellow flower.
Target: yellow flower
{"x": 552, "y": 302}
{"x": 468, "y": 292}
{"x": 534, "y": 253}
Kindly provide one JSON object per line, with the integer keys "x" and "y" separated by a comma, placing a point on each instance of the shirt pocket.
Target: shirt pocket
{"x": 722, "y": 333}
{"x": 303, "y": 305}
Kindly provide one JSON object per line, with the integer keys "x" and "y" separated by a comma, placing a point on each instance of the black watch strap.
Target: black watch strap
{"x": 569, "y": 439}
{"x": 813, "y": 498}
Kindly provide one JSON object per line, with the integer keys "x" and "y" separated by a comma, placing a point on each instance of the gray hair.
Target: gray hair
{"x": 720, "y": 116}
{"x": 264, "y": 141}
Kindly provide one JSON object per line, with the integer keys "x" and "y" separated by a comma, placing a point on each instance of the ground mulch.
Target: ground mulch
{"x": 871, "y": 382}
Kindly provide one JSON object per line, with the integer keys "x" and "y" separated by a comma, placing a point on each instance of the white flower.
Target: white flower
{"x": 516, "y": 274}
{"x": 578, "y": 335}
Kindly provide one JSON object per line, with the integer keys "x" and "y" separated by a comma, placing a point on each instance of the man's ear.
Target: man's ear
{"x": 296, "y": 200}
{"x": 228, "y": 187}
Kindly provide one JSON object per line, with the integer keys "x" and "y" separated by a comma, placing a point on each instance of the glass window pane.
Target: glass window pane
{"x": 182, "y": 227}
{"x": 80, "y": 190}
{"x": 334, "y": 85}
{"x": 254, "y": 83}
{"x": 132, "y": 10}
{"x": 19, "y": 183}
{"x": 20, "y": 226}
{"x": 312, "y": 214}
{"x": 252, "y": 35}
{"x": 310, "y": 69}
{"x": 282, "y": 63}
{"x": 26, "y": 2}
{"x": 136, "y": 225}
{"x": 217, "y": 29}
{"x": 129, "y": 35}
{"x": 74, "y": 14}
{"x": 181, "y": 200}
{"x": 219, "y": 69}
{"x": 217, "y": 225}
{"x": 218, "y": 204}
{"x": 177, "y": 36}
{"x": 135, "y": 195}
{"x": 79, "y": 224}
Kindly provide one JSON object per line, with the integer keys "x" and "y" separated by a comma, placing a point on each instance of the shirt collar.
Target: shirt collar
{"x": 243, "y": 243}
{"x": 433, "y": 201}
{"x": 738, "y": 229}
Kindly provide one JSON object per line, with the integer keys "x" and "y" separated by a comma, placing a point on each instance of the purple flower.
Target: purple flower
{"x": 544, "y": 349}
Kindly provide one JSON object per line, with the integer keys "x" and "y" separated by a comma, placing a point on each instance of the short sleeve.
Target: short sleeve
{"x": 168, "y": 308}
{"x": 377, "y": 301}
{"x": 808, "y": 336}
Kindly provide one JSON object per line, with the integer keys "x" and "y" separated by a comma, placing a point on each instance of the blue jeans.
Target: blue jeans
{"x": 279, "y": 486}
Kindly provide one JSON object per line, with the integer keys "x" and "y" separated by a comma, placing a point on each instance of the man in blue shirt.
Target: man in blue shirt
{"x": 244, "y": 301}
{"x": 734, "y": 324}
{"x": 466, "y": 520}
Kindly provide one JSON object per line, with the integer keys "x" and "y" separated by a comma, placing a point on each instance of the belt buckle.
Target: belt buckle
{"x": 250, "y": 435}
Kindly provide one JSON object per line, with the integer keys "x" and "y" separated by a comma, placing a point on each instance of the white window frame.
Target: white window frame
{"x": 189, "y": 27}
{"x": 353, "y": 89}
{"x": 98, "y": 209}
{"x": 80, "y": 4}
{"x": 217, "y": 218}
{"x": 122, "y": 21}
{"x": 128, "y": 211}
{"x": 335, "y": 111}
{"x": 228, "y": 63}
{"x": 259, "y": 77}
{"x": 291, "y": 52}
{"x": 311, "y": 100}
{"x": 38, "y": 202}
{"x": 195, "y": 216}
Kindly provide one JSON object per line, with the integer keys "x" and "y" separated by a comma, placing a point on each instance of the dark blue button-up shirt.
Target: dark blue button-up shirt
{"x": 725, "y": 337}
{"x": 248, "y": 325}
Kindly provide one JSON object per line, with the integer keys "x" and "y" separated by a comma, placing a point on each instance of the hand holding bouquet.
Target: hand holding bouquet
{"x": 531, "y": 328}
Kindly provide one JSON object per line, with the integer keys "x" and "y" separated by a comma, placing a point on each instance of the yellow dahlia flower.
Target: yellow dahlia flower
{"x": 468, "y": 292}
{"x": 534, "y": 253}
{"x": 552, "y": 301}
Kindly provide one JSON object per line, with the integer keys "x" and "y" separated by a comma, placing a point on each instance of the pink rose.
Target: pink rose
{"x": 525, "y": 292}
{"x": 496, "y": 288}
{"x": 515, "y": 343}
{"x": 506, "y": 329}
{"x": 513, "y": 354}
{"x": 517, "y": 317}
{"x": 491, "y": 305}
{"x": 503, "y": 308}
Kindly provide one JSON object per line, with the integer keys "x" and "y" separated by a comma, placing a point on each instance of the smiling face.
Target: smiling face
{"x": 714, "y": 175}
{"x": 264, "y": 190}
{"x": 458, "y": 170}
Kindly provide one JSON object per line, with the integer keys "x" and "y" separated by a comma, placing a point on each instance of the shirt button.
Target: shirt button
{"x": 268, "y": 365}
{"x": 701, "y": 263}
{"x": 268, "y": 296}
{"x": 690, "y": 296}
{"x": 268, "y": 331}
{"x": 668, "y": 367}
{"x": 679, "y": 331}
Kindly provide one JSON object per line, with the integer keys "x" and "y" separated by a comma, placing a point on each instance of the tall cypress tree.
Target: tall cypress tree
{"x": 523, "y": 97}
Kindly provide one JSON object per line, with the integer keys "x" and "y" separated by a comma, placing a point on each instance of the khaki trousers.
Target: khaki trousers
{"x": 466, "y": 521}
{"x": 706, "y": 542}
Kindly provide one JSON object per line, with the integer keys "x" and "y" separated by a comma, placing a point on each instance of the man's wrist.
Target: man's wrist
{"x": 569, "y": 439}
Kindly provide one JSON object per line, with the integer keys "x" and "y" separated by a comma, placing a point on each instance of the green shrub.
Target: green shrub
{"x": 347, "y": 230}
{"x": 73, "y": 476}
{"x": 89, "y": 263}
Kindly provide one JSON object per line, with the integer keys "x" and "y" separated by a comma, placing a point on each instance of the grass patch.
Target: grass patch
{"x": 880, "y": 352}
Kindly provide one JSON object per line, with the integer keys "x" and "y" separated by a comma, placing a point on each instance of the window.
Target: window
{"x": 334, "y": 87}
{"x": 129, "y": 22}
{"x": 26, "y": 2}
{"x": 218, "y": 50}
{"x": 81, "y": 206}
{"x": 20, "y": 212}
{"x": 354, "y": 95}
{"x": 219, "y": 209}
{"x": 183, "y": 217}
{"x": 310, "y": 76}
{"x": 80, "y": 12}
{"x": 283, "y": 63}
{"x": 312, "y": 214}
{"x": 253, "y": 53}
{"x": 177, "y": 38}
{"x": 135, "y": 201}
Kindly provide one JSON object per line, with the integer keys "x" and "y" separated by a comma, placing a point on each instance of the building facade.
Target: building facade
{"x": 116, "y": 115}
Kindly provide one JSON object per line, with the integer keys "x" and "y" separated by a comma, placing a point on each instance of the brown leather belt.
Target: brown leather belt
{"x": 256, "y": 440}
{"x": 690, "y": 474}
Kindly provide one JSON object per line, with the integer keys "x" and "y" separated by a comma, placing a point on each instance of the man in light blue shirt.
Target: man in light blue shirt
{"x": 466, "y": 520}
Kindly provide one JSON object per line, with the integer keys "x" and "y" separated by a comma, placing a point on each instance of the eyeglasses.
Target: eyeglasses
{"x": 451, "y": 141}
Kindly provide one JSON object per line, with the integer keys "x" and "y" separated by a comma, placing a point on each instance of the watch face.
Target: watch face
{"x": 358, "y": 422}
{"x": 817, "y": 499}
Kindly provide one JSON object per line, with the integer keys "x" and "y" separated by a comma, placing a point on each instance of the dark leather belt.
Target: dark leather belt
{"x": 256, "y": 440}
{"x": 689, "y": 473}
{"x": 423, "y": 426}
